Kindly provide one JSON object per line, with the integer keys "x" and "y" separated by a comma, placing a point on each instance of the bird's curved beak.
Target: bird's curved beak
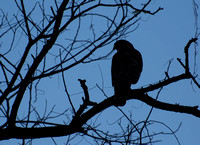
{"x": 114, "y": 48}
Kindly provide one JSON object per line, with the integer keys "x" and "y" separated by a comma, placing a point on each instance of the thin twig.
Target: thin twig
{"x": 65, "y": 86}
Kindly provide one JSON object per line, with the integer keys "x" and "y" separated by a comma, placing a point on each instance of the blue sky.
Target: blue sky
{"x": 159, "y": 38}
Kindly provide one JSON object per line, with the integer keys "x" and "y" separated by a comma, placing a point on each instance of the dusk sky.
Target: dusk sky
{"x": 159, "y": 38}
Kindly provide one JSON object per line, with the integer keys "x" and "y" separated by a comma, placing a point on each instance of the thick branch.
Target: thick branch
{"x": 34, "y": 66}
{"x": 139, "y": 95}
{"x": 76, "y": 125}
{"x": 25, "y": 133}
{"x": 164, "y": 106}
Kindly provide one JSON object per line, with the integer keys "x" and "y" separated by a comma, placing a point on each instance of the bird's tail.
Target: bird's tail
{"x": 121, "y": 93}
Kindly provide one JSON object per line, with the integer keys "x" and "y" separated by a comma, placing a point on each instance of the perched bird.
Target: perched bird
{"x": 125, "y": 70}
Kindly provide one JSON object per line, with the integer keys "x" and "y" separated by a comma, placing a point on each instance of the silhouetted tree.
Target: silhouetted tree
{"x": 52, "y": 38}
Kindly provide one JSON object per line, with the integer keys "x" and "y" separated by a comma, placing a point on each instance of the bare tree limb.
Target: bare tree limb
{"x": 44, "y": 36}
{"x": 34, "y": 66}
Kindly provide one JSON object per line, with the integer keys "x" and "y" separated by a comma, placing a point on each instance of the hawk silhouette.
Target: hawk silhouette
{"x": 125, "y": 70}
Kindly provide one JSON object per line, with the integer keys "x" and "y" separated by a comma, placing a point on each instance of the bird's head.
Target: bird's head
{"x": 122, "y": 45}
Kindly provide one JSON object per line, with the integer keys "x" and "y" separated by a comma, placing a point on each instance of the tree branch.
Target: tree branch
{"x": 76, "y": 125}
{"x": 26, "y": 21}
{"x": 27, "y": 133}
{"x": 136, "y": 94}
{"x": 187, "y": 53}
{"x": 86, "y": 101}
{"x": 38, "y": 59}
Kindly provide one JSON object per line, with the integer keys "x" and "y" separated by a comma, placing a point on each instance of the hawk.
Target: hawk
{"x": 125, "y": 70}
